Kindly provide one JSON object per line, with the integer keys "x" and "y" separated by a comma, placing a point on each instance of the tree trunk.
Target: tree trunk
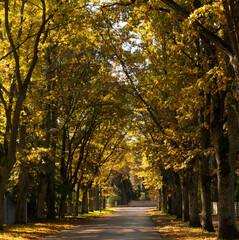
{"x": 23, "y": 183}
{"x": 226, "y": 157}
{"x": 104, "y": 202}
{"x": 50, "y": 199}
{"x": 205, "y": 180}
{"x": 159, "y": 196}
{"x": 22, "y": 191}
{"x": 96, "y": 202}
{"x": 41, "y": 196}
{"x": 91, "y": 199}
{"x": 178, "y": 196}
{"x": 164, "y": 195}
{"x": 172, "y": 196}
{"x": 50, "y": 142}
{"x": 1, "y": 206}
{"x": 50, "y": 160}
{"x": 185, "y": 201}
{"x": 100, "y": 199}
{"x": 69, "y": 204}
{"x": 170, "y": 203}
{"x": 77, "y": 198}
{"x": 123, "y": 193}
{"x": 194, "y": 220}
{"x": 3, "y": 181}
{"x": 164, "y": 192}
{"x": 63, "y": 172}
{"x": 214, "y": 181}
{"x": 85, "y": 206}
{"x": 62, "y": 210}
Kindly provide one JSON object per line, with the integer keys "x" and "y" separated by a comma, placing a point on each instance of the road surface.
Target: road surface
{"x": 129, "y": 223}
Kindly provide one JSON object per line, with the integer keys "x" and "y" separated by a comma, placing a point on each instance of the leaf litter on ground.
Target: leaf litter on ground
{"x": 41, "y": 229}
{"x": 174, "y": 229}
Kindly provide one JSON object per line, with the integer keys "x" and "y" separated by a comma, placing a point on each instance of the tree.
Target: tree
{"x": 20, "y": 37}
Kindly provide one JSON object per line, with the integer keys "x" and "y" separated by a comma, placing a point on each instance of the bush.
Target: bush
{"x": 142, "y": 196}
{"x": 113, "y": 198}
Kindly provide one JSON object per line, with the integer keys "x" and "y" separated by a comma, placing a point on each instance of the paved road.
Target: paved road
{"x": 131, "y": 223}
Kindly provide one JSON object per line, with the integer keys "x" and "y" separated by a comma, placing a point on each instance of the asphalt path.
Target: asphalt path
{"x": 132, "y": 223}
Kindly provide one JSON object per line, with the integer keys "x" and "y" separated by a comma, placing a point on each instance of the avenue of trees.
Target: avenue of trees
{"x": 93, "y": 91}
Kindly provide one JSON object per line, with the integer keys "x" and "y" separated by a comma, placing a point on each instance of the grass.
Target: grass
{"x": 174, "y": 229}
{"x": 39, "y": 230}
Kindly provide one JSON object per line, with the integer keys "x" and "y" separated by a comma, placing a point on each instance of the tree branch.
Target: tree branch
{"x": 3, "y": 100}
{"x": 119, "y": 4}
{"x": 203, "y": 30}
{"x": 12, "y": 44}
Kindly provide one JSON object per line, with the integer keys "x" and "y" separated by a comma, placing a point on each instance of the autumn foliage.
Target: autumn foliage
{"x": 94, "y": 90}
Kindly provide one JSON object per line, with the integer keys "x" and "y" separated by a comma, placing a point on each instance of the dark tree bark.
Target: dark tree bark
{"x": 3, "y": 180}
{"x": 225, "y": 157}
{"x": 159, "y": 197}
{"x": 178, "y": 196}
{"x": 85, "y": 203}
{"x": 123, "y": 193}
{"x": 62, "y": 210}
{"x": 63, "y": 171}
{"x": 77, "y": 198}
{"x": 70, "y": 207}
{"x": 194, "y": 220}
{"x": 22, "y": 191}
{"x": 185, "y": 201}
{"x": 51, "y": 123}
{"x": 172, "y": 194}
{"x": 41, "y": 196}
{"x": 170, "y": 204}
{"x": 50, "y": 198}
{"x": 91, "y": 199}
{"x": 96, "y": 202}
{"x": 23, "y": 184}
{"x": 205, "y": 178}
{"x": 164, "y": 192}
{"x": 100, "y": 199}
{"x": 104, "y": 203}
{"x": 164, "y": 199}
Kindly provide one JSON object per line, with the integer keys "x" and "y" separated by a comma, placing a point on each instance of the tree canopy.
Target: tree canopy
{"x": 117, "y": 95}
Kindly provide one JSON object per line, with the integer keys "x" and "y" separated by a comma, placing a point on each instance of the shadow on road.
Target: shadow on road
{"x": 131, "y": 223}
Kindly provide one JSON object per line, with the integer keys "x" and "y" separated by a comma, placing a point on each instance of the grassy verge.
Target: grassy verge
{"x": 174, "y": 229}
{"x": 39, "y": 230}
